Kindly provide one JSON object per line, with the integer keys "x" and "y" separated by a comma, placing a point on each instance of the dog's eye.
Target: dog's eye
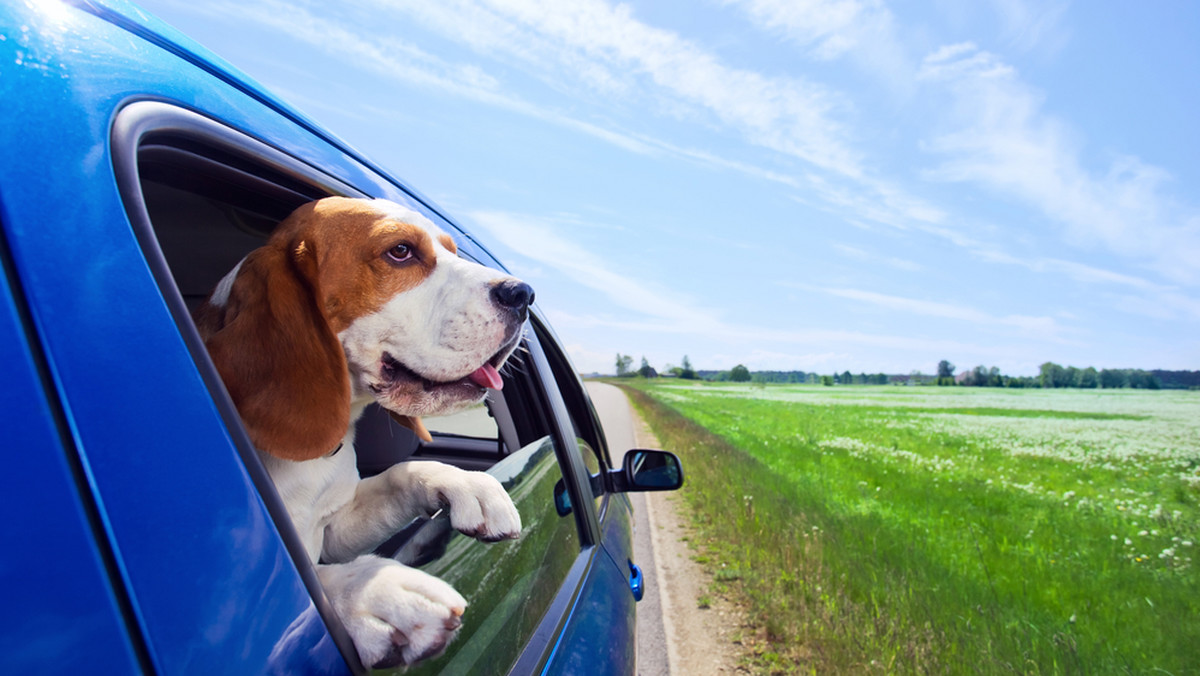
{"x": 401, "y": 253}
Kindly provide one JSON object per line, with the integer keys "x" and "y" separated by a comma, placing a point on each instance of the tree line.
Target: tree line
{"x": 1050, "y": 375}
{"x": 625, "y": 368}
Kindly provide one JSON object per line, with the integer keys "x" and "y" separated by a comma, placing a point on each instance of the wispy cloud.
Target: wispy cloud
{"x": 1128, "y": 293}
{"x": 790, "y": 115}
{"x": 641, "y": 306}
{"x": 395, "y": 59}
{"x": 610, "y": 51}
{"x": 1029, "y": 25}
{"x": 1006, "y": 142}
{"x": 1045, "y": 327}
{"x": 869, "y": 257}
{"x": 539, "y": 239}
{"x": 1003, "y": 141}
{"x": 863, "y": 31}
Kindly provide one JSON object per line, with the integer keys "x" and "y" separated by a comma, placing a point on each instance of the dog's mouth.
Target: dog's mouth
{"x": 486, "y": 377}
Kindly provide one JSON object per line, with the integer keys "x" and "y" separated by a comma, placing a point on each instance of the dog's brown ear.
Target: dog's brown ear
{"x": 413, "y": 423}
{"x": 279, "y": 358}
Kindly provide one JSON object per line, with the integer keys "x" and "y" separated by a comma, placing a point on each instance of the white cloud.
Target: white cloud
{"x": 538, "y": 239}
{"x": 861, "y": 30}
{"x": 1031, "y": 25}
{"x": 562, "y": 39}
{"x": 395, "y": 59}
{"x": 1045, "y": 327}
{"x": 771, "y": 360}
{"x": 1005, "y": 142}
{"x": 660, "y": 311}
{"x": 867, "y": 256}
{"x": 1155, "y": 300}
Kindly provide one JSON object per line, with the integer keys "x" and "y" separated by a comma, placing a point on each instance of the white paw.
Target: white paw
{"x": 396, "y": 615}
{"x": 479, "y": 505}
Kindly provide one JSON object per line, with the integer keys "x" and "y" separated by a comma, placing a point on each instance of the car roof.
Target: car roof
{"x": 134, "y": 19}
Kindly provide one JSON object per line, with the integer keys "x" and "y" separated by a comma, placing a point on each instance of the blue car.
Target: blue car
{"x": 141, "y": 534}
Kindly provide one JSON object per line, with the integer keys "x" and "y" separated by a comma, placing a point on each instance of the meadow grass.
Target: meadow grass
{"x": 947, "y": 530}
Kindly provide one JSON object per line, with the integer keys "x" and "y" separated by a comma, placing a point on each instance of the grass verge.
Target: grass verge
{"x": 942, "y": 570}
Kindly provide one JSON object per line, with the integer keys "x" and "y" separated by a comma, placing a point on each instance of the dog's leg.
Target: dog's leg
{"x": 395, "y": 614}
{"x": 479, "y": 507}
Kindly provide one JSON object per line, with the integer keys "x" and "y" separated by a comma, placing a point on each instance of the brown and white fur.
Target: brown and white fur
{"x": 351, "y": 302}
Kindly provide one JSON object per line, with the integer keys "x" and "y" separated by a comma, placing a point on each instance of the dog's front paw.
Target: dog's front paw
{"x": 479, "y": 505}
{"x": 396, "y": 615}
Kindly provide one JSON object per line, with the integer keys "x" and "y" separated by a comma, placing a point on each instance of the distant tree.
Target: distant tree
{"x": 1112, "y": 378}
{"x": 624, "y": 361}
{"x": 1052, "y": 375}
{"x": 1070, "y": 377}
{"x": 646, "y": 370}
{"x": 847, "y": 379}
{"x": 1177, "y": 380}
{"x": 881, "y": 379}
{"x": 1088, "y": 378}
{"x": 976, "y": 377}
{"x": 827, "y": 381}
{"x": 739, "y": 374}
{"x": 1143, "y": 380}
{"x": 686, "y": 371}
{"x": 945, "y": 373}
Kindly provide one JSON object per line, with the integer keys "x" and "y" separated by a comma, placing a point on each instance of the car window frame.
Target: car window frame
{"x": 134, "y": 124}
{"x": 141, "y": 120}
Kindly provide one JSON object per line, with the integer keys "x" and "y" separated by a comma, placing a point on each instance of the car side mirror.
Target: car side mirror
{"x": 643, "y": 470}
{"x": 646, "y": 470}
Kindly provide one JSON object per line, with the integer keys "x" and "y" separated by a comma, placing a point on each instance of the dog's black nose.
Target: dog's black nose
{"x": 513, "y": 294}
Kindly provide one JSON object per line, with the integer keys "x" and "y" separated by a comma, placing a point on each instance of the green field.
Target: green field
{"x": 947, "y": 530}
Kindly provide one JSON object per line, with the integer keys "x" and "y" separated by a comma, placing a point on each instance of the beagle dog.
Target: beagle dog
{"x": 354, "y": 301}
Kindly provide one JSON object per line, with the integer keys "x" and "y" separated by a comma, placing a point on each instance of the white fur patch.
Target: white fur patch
{"x": 220, "y": 295}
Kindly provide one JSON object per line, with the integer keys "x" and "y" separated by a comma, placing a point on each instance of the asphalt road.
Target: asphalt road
{"x": 617, "y": 418}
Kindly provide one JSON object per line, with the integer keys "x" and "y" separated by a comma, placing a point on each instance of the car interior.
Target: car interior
{"x": 209, "y": 208}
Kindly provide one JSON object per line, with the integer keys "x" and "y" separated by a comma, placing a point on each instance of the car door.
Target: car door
{"x": 61, "y": 610}
{"x": 599, "y": 639}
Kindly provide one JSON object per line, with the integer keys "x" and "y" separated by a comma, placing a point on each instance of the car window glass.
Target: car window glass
{"x": 509, "y": 585}
{"x": 476, "y": 422}
{"x": 587, "y": 434}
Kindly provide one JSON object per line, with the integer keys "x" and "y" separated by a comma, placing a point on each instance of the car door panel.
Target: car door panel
{"x": 59, "y": 598}
{"x": 598, "y": 637}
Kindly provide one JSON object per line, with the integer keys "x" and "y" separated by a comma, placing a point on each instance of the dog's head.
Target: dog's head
{"x": 351, "y": 299}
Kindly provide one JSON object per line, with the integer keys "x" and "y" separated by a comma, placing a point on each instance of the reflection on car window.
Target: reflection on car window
{"x": 474, "y": 422}
{"x": 509, "y": 585}
{"x": 568, "y": 386}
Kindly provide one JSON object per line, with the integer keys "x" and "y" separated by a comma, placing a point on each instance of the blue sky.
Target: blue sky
{"x": 823, "y": 185}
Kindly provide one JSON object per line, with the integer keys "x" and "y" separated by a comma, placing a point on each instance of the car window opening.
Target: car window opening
{"x": 208, "y": 206}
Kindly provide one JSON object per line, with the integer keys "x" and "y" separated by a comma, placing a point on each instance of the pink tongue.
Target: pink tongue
{"x": 486, "y": 376}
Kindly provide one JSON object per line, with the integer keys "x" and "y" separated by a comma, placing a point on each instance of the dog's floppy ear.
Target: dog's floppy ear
{"x": 278, "y": 356}
{"x": 413, "y": 423}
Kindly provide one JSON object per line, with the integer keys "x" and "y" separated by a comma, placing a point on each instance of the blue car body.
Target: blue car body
{"x": 138, "y": 535}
